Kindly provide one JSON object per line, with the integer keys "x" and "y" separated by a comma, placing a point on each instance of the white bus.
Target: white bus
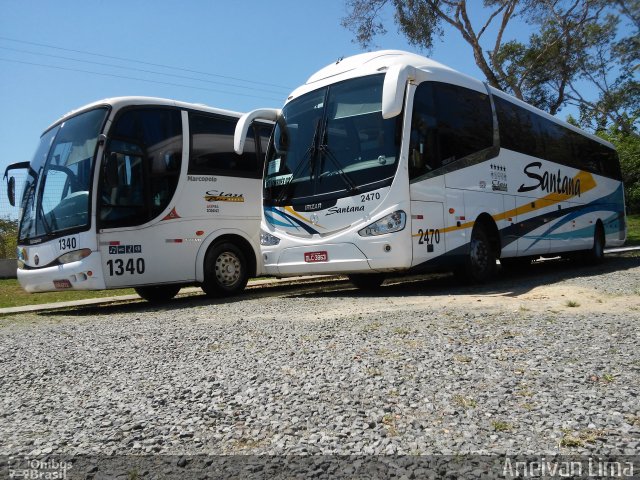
{"x": 389, "y": 161}
{"x": 144, "y": 193}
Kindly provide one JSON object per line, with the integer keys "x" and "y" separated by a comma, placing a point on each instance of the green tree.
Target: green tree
{"x": 576, "y": 43}
{"x": 628, "y": 147}
{"x": 8, "y": 237}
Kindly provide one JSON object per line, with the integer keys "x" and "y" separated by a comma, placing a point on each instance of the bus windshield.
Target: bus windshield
{"x": 56, "y": 191}
{"x": 331, "y": 143}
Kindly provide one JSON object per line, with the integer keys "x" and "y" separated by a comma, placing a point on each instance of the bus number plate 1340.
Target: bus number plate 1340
{"x": 311, "y": 257}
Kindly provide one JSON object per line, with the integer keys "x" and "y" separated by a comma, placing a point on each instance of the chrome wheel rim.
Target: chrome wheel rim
{"x": 228, "y": 269}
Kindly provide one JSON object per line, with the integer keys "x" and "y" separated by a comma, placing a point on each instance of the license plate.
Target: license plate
{"x": 311, "y": 257}
{"x": 62, "y": 283}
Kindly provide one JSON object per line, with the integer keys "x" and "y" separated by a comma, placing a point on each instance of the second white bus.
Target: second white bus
{"x": 388, "y": 161}
{"x": 144, "y": 193}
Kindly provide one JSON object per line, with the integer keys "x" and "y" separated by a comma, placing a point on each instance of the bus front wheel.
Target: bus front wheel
{"x": 225, "y": 271}
{"x": 158, "y": 293}
{"x": 480, "y": 263}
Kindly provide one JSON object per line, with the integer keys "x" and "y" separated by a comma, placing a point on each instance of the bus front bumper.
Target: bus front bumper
{"x": 336, "y": 258}
{"x": 81, "y": 275}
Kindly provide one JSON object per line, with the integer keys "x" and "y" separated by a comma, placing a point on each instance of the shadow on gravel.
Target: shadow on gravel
{"x": 194, "y": 300}
{"x": 505, "y": 283}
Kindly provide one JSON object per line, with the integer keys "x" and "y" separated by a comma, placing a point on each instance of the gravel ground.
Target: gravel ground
{"x": 540, "y": 363}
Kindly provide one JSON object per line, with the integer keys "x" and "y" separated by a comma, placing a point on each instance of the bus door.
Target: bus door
{"x": 139, "y": 176}
{"x": 427, "y": 231}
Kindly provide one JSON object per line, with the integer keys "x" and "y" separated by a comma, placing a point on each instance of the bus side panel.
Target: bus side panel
{"x": 478, "y": 203}
{"x": 156, "y": 254}
{"x": 533, "y": 239}
{"x": 455, "y": 237}
{"x": 508, "y": 228}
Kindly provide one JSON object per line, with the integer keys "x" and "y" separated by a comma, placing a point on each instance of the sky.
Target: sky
{"x": 56, "y": 56}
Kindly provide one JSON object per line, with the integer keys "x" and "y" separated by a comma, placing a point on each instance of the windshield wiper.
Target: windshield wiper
{"x": 324, "y": 148}
{"x": 309, "y": 153}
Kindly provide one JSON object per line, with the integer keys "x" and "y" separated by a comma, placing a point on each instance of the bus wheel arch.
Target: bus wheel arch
{"x": 479, "y": 264}
{"x": 228, "y": 264}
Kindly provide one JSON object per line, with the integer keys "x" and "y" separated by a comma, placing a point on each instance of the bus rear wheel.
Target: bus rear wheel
{"x": 225, "y": 271}
{"x": 480, "y": 263}
{"x": 366, "y": 281}
{"x": 596, "y": 254}
{"x": 158, "y": 293}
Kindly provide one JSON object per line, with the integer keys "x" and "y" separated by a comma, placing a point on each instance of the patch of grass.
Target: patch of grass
{"x": 389, "y": 421}
{"x": 633, "y": 419}
{"x": 372, "y": 327}
{"x": 462, "y": 358}
{"x": 579, "y": 438}
{"x": 528, "y": 406}
{"x": 464, "y": 402}
{"x": 572, "y": 303}
{"x": 524, "y": 391}
{"x": 374, "y": 372}
{"x": 245, "y": 443}
{"x": 633, "y": 229}
{"x": 401, "y": 331}
{"x": 500, "y": 426}
{"x": 570, "y": 441}
{"x": 12, "y": 295}
{"x": 133, "y": 474}
{"x": 607, "y": 378}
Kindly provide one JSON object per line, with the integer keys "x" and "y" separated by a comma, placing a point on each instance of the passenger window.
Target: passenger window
{"x": 212, "y": 150}
{"x": 141, "y": 166}
{"x": 448, "y": 123}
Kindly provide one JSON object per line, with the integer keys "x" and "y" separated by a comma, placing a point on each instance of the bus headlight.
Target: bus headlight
{"x": 394, "y": 222}
{"x": 268, "y": 240}
{"x": 74, "y": 256}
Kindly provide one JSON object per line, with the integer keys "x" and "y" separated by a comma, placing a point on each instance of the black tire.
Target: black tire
{"x": 158, "y": 293}
{"x": 366, "y": 281}
{"x": 225, "y": 270}
{"x": 595, "y": 255}
{"x": 480, "y": 264}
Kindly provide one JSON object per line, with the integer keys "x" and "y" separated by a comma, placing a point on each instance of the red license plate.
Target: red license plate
{"x": 311, "y": 257}
{"x": 62, "y": 283}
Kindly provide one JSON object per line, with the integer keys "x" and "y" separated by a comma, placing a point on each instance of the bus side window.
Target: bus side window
{"x": 212, "y": 148}
{"x": 449, "y": 123}
{"x": 465, "y": 121}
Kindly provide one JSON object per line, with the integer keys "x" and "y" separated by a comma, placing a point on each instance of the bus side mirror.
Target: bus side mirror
{"x": 11, "y": 191}
{"x": 111, "y": 170}
{"x": 395, "y": 81}
{"x": 242, "y": 127}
